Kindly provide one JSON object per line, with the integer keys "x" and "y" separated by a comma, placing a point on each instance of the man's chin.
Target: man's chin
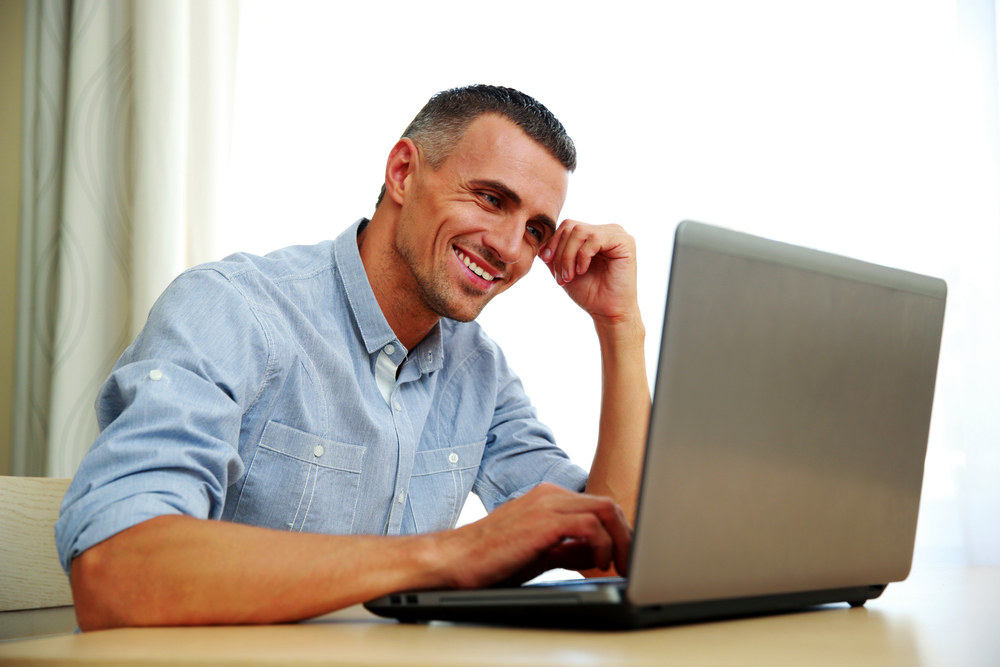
{"x": 462, "y": 304}
{"x": 463, "y": 315}
{"x": 465, "y": 312}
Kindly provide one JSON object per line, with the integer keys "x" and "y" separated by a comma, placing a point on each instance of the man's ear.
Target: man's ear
{"x": 402, "y": 163}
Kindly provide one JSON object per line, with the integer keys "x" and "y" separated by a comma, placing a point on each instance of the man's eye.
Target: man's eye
{"x": 495, "y": 201}
{"x": 536, "y": 232}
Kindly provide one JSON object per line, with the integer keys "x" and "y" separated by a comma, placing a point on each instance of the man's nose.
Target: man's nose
{"x": 505, "y": 240}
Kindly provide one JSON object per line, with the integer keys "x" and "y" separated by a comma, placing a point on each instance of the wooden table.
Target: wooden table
{"x": 948, "y": 616}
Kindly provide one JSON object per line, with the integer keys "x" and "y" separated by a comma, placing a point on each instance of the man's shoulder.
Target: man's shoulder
{"x": 289, "y": 263}
{"x": 256, "y": 278}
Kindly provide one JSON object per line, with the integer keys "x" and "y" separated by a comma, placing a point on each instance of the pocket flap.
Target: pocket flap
{"x": 460, "y": 457}
{"x": 311, "y": 448}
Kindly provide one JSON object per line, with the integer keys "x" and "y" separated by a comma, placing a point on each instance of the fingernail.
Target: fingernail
{"x": 565, "y": 274}
{"x": 546, "y": 254}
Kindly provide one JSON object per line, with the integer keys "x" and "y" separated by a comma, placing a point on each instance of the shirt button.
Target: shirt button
{"x": 389, "y": 349}
{"x": 453, "y": 457}
{"x": 155, "y": 374}
{"x": 318, "y": 451}
{"x": 401, "y": 497}
{"x": 397, "y": 406}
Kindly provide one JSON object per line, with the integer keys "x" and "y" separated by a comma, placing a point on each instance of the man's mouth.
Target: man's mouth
{"x": 472, "y": 266}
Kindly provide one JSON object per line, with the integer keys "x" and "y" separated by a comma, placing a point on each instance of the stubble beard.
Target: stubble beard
{"x": 435, "y": 291}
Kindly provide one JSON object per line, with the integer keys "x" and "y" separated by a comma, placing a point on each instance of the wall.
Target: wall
{"x": 11, "y": 68}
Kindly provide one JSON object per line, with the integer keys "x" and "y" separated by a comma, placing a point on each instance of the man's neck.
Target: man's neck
{"x": 391, "y": 284}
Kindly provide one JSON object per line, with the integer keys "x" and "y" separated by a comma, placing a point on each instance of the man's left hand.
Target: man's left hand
{"x": 596, "y": 266}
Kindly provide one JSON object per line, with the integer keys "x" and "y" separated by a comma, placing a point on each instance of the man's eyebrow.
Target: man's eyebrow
{"x": 514, "y": 199}
{"x": 499, "y": 187}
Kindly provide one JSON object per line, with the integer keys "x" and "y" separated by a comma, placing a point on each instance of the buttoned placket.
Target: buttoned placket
{"x": 407, "y": 445}
{"x": 413, "y": 368}
{"x": 403, "y": 397}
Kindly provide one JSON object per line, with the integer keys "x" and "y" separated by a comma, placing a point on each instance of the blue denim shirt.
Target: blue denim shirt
{"x": 250, "y": 396}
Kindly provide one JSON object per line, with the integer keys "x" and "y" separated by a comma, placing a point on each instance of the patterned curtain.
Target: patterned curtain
{"x": 126, "y": 139}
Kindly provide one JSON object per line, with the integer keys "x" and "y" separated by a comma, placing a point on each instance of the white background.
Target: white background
{"x": 835, "y": 125}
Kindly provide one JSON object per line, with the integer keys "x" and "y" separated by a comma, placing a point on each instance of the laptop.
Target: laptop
{"x": 785, "y": 450}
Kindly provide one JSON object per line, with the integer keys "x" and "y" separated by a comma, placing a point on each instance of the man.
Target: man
{"x": 334, "y": 404}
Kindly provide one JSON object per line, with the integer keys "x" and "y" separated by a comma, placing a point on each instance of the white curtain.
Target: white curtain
{"x": 975, "y": 420}
{"x": 126, "y": 131}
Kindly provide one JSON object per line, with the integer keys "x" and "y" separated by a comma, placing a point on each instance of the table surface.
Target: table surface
{"x": 938, "y": 616}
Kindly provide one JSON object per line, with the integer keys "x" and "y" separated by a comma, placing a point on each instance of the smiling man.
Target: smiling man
{"x": 295, "y": 433}
{"x": 466, "y": 231}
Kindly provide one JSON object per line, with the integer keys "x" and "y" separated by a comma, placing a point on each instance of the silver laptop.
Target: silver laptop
{"x": 786, "y": 445}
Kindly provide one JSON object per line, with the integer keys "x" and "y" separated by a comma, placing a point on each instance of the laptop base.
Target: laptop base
{"x": 594, "y": 607}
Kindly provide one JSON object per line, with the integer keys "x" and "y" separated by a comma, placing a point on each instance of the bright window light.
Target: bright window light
{"x": 826, "y": 124}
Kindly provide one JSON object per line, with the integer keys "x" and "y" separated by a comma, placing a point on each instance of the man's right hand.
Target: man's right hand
{"x": 548, "y": 527}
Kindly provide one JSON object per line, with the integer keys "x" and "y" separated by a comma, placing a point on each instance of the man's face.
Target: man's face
{"x": 471, "y": 229}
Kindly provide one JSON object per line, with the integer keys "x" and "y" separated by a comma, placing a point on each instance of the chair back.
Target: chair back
{"x": 30, "y": 574}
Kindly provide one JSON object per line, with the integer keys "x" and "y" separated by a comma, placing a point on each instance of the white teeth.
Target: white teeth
{"x": 474, "y": 268}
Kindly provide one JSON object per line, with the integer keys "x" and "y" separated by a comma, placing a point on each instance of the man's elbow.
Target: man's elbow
{"x": 97, "y": 594}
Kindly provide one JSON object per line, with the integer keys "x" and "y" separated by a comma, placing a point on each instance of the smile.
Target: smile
{"x": 473, "y": 267}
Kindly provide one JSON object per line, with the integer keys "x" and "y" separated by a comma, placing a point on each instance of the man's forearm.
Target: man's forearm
{"x": 178, "y": 570}
{"x": 625, "y": 404}
{"x": 596, "y": 265}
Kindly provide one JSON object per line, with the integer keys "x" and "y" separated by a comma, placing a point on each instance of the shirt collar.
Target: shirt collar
{"x": 375, "y": 330}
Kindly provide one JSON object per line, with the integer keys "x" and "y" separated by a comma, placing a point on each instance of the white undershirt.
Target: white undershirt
{"x": 385, "y": 375}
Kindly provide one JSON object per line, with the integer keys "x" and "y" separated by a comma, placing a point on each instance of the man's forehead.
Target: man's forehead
{"x": 499, "y": 133}
{"x": 495, "y": 150}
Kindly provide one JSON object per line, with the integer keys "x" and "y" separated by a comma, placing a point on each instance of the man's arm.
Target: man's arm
{"x": 179, "y": 570}
{"x": 617, "y": 468}
{"x": 596, "y": 266}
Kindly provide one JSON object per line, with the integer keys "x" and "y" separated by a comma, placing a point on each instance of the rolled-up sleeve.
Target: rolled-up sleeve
{"x": 170, "y": 415}
{"x": 520, "y": 451}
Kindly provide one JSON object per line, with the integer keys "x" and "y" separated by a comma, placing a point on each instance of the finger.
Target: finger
{"x": 586, "y": 531}
{"x": 558, "y": 245}
{"x": 615, "y": 525}
{"x": 572, "y": 555}
{"x": 552, "y": 515}
{"x": 548, "y": 251}
{"x": 545, "y": 253}
{"x": 582, "y": 243}
{"x": 623, "y": 543}
{"x": 567, "y": 254}
{"x": 621, "y": 534}
{"x": 572, "y": 251}
{"x": 593, "y": 245}
{"x": 604, "y": 525}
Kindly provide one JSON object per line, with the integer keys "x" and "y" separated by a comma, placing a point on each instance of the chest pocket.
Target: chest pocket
{"x": 440, "y": 483}
{"x": 301, "y": 482}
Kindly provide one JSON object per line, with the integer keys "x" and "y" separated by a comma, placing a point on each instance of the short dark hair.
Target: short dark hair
{"x": 439, "y": 126}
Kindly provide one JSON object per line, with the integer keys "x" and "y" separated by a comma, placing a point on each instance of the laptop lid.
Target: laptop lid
{"x": 790, "y": 420}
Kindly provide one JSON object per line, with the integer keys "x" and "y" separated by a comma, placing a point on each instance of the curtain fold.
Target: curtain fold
{"x": 45, "y": 70}
{"x": 114, "y": 201}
